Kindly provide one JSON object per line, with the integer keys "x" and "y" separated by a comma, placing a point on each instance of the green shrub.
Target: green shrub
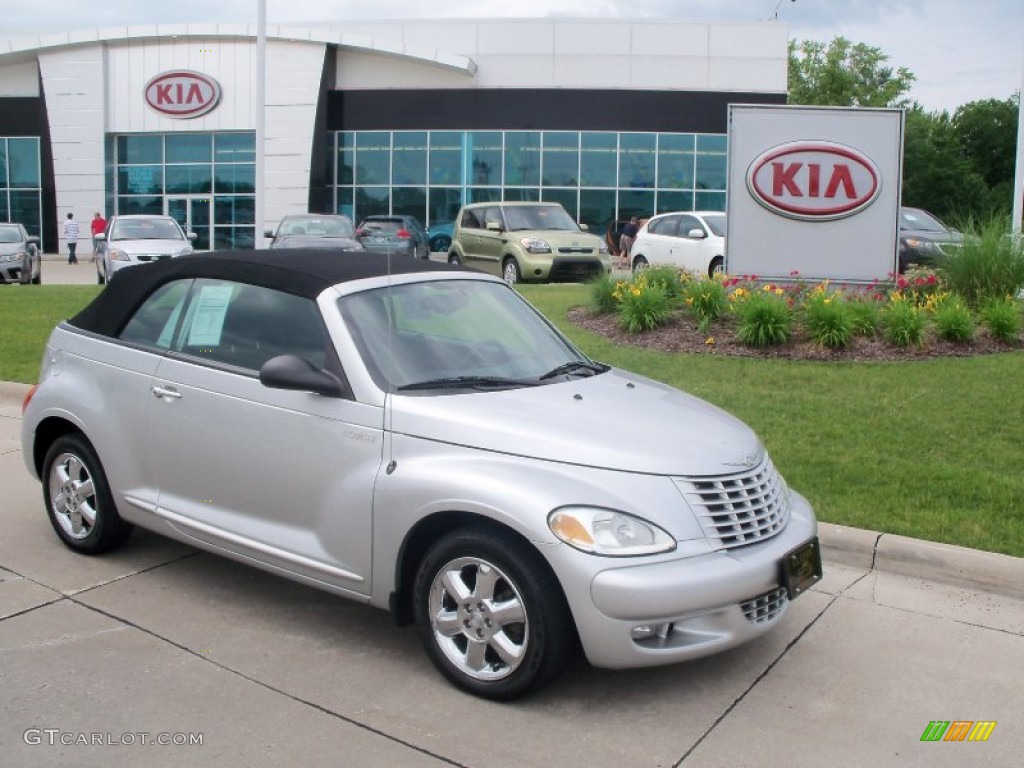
{"x": 602, "y": 294}
{"x": 642, "y": 306}
{"x": 953, "y": 320}
{"x": 865, "y": 316}
{"x": 1002, "y": 318}
{"x": 765, "y": 319}
{"x": 706, "y": 299}
{"x": 827, "y": 319}
{"x": 904, "y": 322}
{"x": 671, "y": 280}
{"x": 989, "y": 265}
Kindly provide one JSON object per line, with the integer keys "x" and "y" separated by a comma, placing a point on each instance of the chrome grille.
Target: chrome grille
{"x": 741, "y": 509}
{"x": 767, "y": 607}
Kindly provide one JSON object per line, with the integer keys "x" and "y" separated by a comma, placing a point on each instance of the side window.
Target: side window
{"x": 246, "y": 325}
{"x": 470, "y": 220}
{"x": 667, "y": 225}
{"x": 687, "y": 223}
{"x": 154, "y": 322}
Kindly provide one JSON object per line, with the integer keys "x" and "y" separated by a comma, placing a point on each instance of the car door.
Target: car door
{"x": 691, "y": 251}
{"x": 483, "y": 244}
{"x": 283, "y": 477}
{"x": 659, "y": 242}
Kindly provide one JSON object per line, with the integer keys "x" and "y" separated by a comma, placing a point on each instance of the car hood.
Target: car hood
{"x": 150, "y": 246}
{"x": 314, "y": 241}
{"x": 616, "y": 420}
{"x": 6, "y": 248}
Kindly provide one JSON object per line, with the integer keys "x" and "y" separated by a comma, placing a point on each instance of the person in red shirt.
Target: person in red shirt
{"x": 98, "y": 225}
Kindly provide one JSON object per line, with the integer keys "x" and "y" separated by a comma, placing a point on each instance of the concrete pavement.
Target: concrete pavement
{"x": 101, "y": 657}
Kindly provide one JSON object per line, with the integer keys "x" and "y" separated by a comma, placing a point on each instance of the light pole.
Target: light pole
{"x": 260, "y": 115}
{"x": 1018, "y": 176}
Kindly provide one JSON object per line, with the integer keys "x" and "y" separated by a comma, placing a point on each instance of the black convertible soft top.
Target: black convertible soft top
{"x": 300, "y": 271}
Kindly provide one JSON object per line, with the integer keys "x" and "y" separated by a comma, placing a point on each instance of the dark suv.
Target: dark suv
{"x": 924, "y": 239}
{"x": 395, "y": 234}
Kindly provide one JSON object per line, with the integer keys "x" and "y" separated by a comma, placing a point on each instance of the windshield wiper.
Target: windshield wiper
{"x": 575, "y": 365}
{"x": 468, "y": 382}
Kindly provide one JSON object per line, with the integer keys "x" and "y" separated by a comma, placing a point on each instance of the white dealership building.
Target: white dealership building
{"x": 609, "y": 117}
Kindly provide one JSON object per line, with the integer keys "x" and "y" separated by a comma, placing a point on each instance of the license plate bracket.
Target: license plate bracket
{"x": 801, "y": 568}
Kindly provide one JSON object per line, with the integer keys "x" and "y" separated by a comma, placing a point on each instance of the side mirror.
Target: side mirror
{"x": 33, "y": 239}
{"x": 294, "y": 372}
{"x": 696, "y": 234}
{"x": 268, "y": 233}
{"x": 193, "y": 236}
{"x": 584, "y": 227}
{"x": 493, "y": 226}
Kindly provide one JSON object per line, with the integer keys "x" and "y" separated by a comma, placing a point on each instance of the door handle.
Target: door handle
{"x": 169, "y": 392}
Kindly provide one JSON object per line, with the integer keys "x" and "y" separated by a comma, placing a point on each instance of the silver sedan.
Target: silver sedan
{"x": 416, "y": 436}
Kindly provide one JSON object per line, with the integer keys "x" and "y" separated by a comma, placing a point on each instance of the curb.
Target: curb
{"x": 928, "y": 560}
{"x": 858, "y": 548}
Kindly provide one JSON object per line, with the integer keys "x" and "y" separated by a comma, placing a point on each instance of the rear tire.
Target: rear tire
{"x": 491, "y": 614}
{"x": 716, "y": 267}
{"x": 78, "y": 499}
{"x": 453, "y": 258}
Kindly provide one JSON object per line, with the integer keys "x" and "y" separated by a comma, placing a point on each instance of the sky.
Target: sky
{"x": 959, "y": 50}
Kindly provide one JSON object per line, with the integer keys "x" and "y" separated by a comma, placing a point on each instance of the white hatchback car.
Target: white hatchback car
{"x": 416, "y": 436}
{"x": 690, "y": 240}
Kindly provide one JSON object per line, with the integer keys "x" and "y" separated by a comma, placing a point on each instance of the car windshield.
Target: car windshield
{"x": 538, "y": 217}
{"x": 146, "y": 229}
{"x": 382, "y": 226}
{"x": 919, "y": 220}
{"x": 10, "y": 235}
{"x": 716, "y": 224}
{"x": 457, "y": 335}
{"x": 317, "y": 226}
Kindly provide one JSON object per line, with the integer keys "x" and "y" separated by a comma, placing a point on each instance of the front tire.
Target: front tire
{"x": 454, "y": 258}
{"x": 716, "y": 267}
{"x": 78, "y": 499}
{"x": 490, "y": 614}
{"x": 440, "y": 244}
{"x": 639, "y": 264}
{"x": 510, "y": 271}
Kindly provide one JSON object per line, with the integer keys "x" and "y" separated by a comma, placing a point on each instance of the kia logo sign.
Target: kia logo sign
{"x": 814, "y": 180}
{"x": 182, "y": 93}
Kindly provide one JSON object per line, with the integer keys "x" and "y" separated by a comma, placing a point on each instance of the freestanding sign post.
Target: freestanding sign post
{"x": 814, "y": 191}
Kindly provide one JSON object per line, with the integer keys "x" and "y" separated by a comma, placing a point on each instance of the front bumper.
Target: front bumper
{"x": 674, "y": 610}
{"x": 563, "y": 269}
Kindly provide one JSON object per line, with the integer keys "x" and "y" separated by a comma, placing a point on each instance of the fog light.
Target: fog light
{"x": 651, "y": 631}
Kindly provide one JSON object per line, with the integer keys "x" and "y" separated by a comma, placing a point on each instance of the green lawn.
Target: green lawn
{"x": 930, "y": 449}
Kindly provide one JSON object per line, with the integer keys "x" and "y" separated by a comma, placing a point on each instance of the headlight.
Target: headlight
{"x": 913, "y": 242}
{"x": 535, "y": 245}
{"x": 603, "y": 250}
{"x": 118, "y": 255}
{"x": 12, "y": 257}
{"x": 608, "y": 532}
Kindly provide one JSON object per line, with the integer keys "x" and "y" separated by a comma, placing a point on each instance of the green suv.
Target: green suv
{"x": 527, "y": 242}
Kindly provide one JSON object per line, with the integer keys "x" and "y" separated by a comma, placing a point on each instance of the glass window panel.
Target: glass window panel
{"x": 410, "y": 201}
{"x": 140, "y": 180}
{"x": 711, "y": 172}
{"x": 239, "y": 209}
{"x": 189, "y": 147}
{"x": 567, "y": 197}
{"x": 23, "y": 162}
{"x": 409, "y": 167}
{"x": 675, "y": 161}
{"x": 712, "y": 142}
{"x": 371, "y": 201}
{"x": 3, "y": 163}
{"x": 598, "y": 159}
{"x": 139, "y": 204}
{"x": 234, "y": 147}
{"x": 636, "y": 160}
{"x": 522, "y": 158}
{"x": 196, "y": 179}
{"x": 445, "y": 203}
{"x": 26, "y": 207}
{"x": 597, "y": 209}
{"x": 674, "y": 201}
{"x": 528, "y": 194}
{"x": 710, "y": 201}
{"x": 5, "y": 209}
{"x": 636, "y": 203}
{"x": 483, "y": 194}
{"x": 229, "y": 238}
{"x": 344, "y": 202}
{"x": 140, "y": 149}
{"x": 560, "y": 161}
{"x": 235, "y": 178}
{"x": 445, "y": 157}
{"x": 346, "y": 157}
{"x": 373, "y": 157}
{"x": 485, "y": 155}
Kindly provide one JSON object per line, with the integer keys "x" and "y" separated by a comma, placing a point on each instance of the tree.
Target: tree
{"x": 843, "y": 74}
{"x": 987, "y": 132}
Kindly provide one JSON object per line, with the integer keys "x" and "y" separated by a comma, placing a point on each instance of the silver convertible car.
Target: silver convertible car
{"x": 416, "y": 436}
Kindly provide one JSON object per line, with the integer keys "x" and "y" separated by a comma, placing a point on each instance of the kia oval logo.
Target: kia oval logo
{"x": 814, "y": 180}
{"x": 182, "y": 93}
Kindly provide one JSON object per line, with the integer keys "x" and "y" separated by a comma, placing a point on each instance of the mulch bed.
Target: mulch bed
{"x": 682, "y": 335}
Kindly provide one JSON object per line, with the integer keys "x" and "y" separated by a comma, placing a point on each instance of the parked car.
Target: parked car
{"x": 527, "y": 241}
{"x": 417, "y": 437}
{"x": 440, "y": 234}
{"x": 20, "y": 261}
{"x": 139, "y": 239}
{"x": 315, "y": 230}
{"x": 613, "y": 232}
{"x": 691, "y": 240}
{"x": 924, "y": 239}
{"x": 398, "y": 234}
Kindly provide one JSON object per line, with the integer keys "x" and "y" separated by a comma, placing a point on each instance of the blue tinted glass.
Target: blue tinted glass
{"x": 23, "y": 162}
{"x": 182, "y": 179}
{"x": 234, "y": 147}
{"x": 711, "y": 142}
{"x": 522, "y": 158}
{"x": 140, "y": 149}
{"x": 140, "y": 180}
{"x": 711, "y": 172}
{"x": 189, "y": 147}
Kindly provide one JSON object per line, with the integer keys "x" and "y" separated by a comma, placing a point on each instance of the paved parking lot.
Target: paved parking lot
{"x": 102, "y": 657}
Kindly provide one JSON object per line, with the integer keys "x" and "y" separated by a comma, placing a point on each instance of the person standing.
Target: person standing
{"x": 626, "y": 241}
{"x": 71, "y": 235}
{"x": 98, "y": 224}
